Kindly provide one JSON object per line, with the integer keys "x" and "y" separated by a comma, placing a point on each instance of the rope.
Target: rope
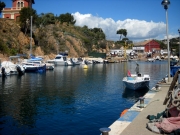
{"x": 174, "y": 99}
{"x": 152, "y": 102}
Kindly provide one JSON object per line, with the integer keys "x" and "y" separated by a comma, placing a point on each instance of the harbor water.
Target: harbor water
{"x": 70, "y": 100}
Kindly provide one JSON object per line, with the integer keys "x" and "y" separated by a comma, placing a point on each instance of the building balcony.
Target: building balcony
{"x": 12, "y": 9}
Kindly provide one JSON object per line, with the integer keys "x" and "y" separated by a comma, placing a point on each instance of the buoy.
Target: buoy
{"x": 85, "y": 67}
{"x": 123, "y": 112}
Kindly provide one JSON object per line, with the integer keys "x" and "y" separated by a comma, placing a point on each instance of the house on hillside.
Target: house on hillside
{"x": 147, "y": 46}
{"x": 17, "y": 5}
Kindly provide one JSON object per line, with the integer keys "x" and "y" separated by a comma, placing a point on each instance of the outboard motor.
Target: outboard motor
{"x": 20, "y": 71}
{"x": 3, "y": 71}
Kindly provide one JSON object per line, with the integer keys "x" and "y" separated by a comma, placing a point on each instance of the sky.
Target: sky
{"x": 143, "y": 19}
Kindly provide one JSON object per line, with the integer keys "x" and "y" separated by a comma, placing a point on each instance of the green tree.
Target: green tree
{"x": 125, "y": 39}
{"x": 2, "y": 5}
{"x": 162, "y": 45}
{"x": 68, "y": 18}
{"x": 122, "y": 32}
{"x": 25, "y": 18}
{"x": 45, "y": 19}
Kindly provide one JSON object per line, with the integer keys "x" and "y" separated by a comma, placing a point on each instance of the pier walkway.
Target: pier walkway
{"x": 134, "y": 121}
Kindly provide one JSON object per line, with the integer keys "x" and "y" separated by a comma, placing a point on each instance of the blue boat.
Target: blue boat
{"x": 173, "y": 70}
{"x": 34, "y": 64}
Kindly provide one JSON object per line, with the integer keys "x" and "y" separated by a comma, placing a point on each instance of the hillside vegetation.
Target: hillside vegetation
{"x": 51, "y": 39}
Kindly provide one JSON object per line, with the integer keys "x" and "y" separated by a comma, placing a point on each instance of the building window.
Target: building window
{"x": 22, "y": 4}
{"x": 18, "y": 4}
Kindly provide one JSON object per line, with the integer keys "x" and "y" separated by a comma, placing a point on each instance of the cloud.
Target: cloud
{"x": 171, "y": 36}
{"x": 137, "y": 29}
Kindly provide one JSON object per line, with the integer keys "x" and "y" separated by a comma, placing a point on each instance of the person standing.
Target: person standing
{"x": 137, "y": 68}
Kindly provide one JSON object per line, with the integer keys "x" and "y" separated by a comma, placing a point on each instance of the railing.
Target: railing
{"x": 13, "y": 8}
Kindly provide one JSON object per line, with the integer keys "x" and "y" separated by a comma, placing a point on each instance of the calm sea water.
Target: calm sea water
{"x": 69, "y": 100}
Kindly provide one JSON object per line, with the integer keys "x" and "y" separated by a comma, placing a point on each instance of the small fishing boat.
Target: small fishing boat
{"x": 136, "y": 81}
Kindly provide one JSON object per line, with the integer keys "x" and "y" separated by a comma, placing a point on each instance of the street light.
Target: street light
{"x": 179, "y": 43}
{"x": 165, "y": 3}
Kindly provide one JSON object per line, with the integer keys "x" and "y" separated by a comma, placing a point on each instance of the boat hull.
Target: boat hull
{"x": 58, "y": 63}
{"x": 137, "y": 85}
{"x": 36, "y": 69}
{"x": 136, "y": 82}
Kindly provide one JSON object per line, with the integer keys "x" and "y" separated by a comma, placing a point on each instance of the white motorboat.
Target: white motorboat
{"x": 49, "y": 66}
{"x": 158, "y": 58}
{"x": 151, "y": 60}
{"x": 135, "y": 81}
{"x": 76, "y": 61}
{"x": 9, "y": 68}
{"x": 60, "y": 60}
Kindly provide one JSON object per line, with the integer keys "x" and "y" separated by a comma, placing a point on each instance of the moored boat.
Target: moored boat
{"x": 151, "y": 60}
{"x": 34, "y": 67}
{"x": 59, "y": 60}
{"x": 9, "y": 68}
{"x": 136, "y": 81}
{"x": 34, "y": 64}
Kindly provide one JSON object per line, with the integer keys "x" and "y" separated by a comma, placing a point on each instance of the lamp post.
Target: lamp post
{"x": 179, "y": 43}
{"x": 165, "y": 3}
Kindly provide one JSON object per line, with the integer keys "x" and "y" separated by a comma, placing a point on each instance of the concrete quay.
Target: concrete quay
{"x": 133, "y": 122}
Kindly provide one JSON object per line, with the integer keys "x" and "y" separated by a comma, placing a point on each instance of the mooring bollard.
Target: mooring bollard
{"x": 141, "y": 102}
{"x": 157, "y": 87}
{"x": 105, "y": 131}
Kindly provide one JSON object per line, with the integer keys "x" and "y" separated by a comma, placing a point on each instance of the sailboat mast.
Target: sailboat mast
{"x": 31, "y": 38}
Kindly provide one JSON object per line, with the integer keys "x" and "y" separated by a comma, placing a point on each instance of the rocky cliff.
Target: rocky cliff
{"x": 46, "y": 41}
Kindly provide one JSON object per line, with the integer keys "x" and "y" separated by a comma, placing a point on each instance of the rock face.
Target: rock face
{"x": 47, "y": 41}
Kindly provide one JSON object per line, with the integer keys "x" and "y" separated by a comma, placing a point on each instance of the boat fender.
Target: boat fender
{"x": 123, "y": 112}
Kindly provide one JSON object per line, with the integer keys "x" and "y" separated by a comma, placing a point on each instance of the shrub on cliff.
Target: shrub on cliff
{"x": 4, "y": 48}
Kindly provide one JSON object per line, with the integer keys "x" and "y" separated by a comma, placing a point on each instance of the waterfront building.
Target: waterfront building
{"x": 17, "y": 5}
{"x": 147, "y": 46}
{"x": 119, "y": 52}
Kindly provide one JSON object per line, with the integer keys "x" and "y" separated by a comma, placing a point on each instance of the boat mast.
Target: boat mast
{"x": 31, "y": 38}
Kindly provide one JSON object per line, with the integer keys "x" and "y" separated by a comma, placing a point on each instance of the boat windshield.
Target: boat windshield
{"x": 58, "y": 57}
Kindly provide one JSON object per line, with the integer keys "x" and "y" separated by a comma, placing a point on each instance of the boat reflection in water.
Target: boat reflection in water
{"x": 134, "y": 94}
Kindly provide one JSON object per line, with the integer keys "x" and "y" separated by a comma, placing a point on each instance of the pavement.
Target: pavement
{"x": 134, "y": 121}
